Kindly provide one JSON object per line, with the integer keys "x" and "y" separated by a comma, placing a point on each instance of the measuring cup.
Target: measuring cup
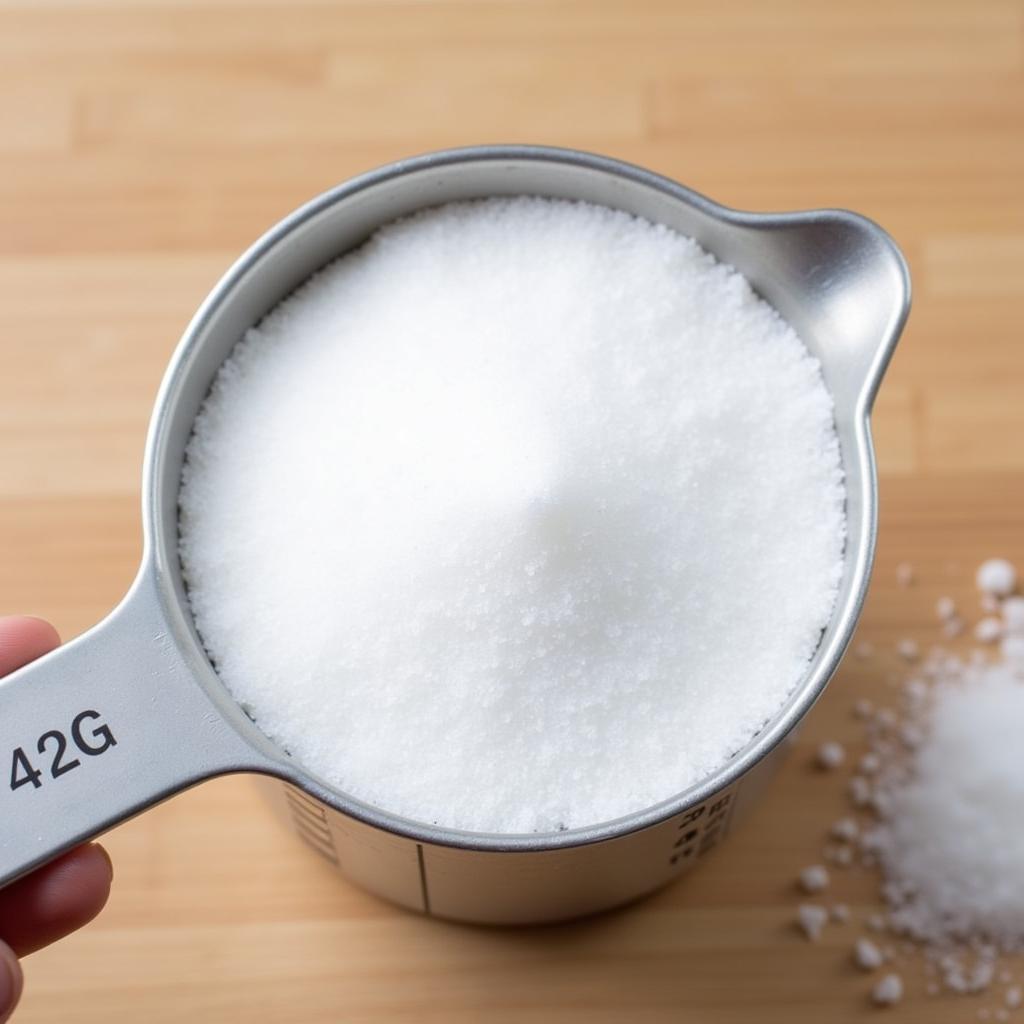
{"x": 132, "y": 711}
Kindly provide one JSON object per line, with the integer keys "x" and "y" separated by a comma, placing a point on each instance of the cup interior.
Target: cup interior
{"x": 836, "y": 277}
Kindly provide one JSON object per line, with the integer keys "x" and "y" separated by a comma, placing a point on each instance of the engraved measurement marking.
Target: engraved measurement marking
{"x": 701, "y": 828}
{"x": 424, "y": 892}
{"x": 310, "y": 821}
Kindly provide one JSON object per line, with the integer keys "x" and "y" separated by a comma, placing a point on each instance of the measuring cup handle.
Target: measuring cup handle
{"x": 102, "y": 728}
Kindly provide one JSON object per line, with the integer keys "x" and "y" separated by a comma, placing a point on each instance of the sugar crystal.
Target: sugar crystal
{"x": 867, "y": 955}
{"x": 996, "y": 576}
{"x": 888, "y": 991}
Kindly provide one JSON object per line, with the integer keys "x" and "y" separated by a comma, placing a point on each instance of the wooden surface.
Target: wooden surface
{"x": 144, "y": 144}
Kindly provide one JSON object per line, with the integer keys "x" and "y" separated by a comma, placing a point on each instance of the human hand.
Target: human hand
{"x": 64, "y": 894}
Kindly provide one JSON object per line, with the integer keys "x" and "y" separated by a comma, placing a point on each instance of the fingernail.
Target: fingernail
{"x": 10, "y": 982}
{"x": 106, "y": 857}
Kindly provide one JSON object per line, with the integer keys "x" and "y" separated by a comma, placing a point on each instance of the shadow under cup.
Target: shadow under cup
{"x": 836, "y": 277}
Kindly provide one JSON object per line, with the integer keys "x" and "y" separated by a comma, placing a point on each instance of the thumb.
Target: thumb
{"x": 10, "y": 982}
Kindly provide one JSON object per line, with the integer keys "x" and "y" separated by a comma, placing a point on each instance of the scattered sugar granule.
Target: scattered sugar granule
{"x": 888, "y": 991}
{"x": 867, "y": 955}
{"x": 911, "y": 735}
{"x": 959, "y": 975}
{"x": 885, "y": 719}
{"x": 953, "y": 626}
{"x": 1012, "y": 649}
{"x": 813, "y": 878}
{"x": 981, "y": 976}
{"x": 996, "y": 576}
{"x": 988, "y": 630}
{"x": 915, "y": 690}
{"x": 484, "y": 492}
{"x": 812, "y": 920}
{"x": 904, "y": 574}
{"x": 860, "y": 791}
{"x": 843, "y": 856}
{"x": 1013, "y": 616}
{"x": 840, "y": 913}
{"x": 908, "y": 649}
{"x": 830, "y": 755}
{"x": 862, "y": 708}
{"x": 870, "y": 764}
{"x": 876, "y": 923}
{"x": 1001, "y": 1014}
{"x": 1013, "y": 997}
{"x": 945, "y": 608}
{"x": 864, "y": 649}
{"x": 845, "y": 829}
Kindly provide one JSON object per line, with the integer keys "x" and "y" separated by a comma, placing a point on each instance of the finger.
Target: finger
{"x": 23, "y": 639}
{"x": 70, "y": 891}
{"x": 10, "y": 982}
{"x": 55, "y": 900}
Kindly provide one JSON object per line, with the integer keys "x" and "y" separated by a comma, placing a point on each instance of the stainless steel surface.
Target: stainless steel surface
{"x": 133, "y": 677}
{"x": 835, "y": 276}
{"x": 518, "y": 886}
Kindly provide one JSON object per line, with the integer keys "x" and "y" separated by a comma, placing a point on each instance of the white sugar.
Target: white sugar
{"x": 1013, "y": 616}
{"x": 860, "y": 791}
{"x": 846, "y": 829}
{"x": 830, "y": 755}
{"x": 525, "y": 515}
{"x": 867, "y": 955}
{"x": 943, "y": 782}
{"x": 988, "y": 630}
{"x": 812, "y": 919}
{"x": 1012, "y": 650}
{"x": 951, "y": 838}
{"x": 908, "y": 649}
{"x": 996, "y": 576}
{"x": 888, "y": 991}
{"x": 814, "y": 878}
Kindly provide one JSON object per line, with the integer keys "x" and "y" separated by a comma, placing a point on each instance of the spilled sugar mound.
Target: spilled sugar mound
{"x": 523, "y": 516}
{"x": 951, "y": 836}
{"x": 938, "y": 803}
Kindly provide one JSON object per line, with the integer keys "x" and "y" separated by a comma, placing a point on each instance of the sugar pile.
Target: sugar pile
{"x": 940, "y": 798}
{"x": 951, "y": 836}
{"x": 523, "y": 516}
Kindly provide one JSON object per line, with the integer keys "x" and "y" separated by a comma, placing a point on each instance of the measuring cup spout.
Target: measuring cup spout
{"x": 842, "y": 282}
{"x": 102, "y": 728}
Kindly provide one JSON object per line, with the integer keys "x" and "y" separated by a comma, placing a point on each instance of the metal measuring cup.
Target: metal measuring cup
{"x": 133, "y": 712}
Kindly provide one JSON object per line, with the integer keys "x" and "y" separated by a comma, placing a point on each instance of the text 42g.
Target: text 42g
{"x": 89, "y": 736}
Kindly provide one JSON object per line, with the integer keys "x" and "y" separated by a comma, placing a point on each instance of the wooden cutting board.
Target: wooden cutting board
{"x": 144, "y": 144}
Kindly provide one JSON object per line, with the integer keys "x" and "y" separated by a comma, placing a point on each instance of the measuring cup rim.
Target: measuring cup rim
{"x": 161, "y": 550}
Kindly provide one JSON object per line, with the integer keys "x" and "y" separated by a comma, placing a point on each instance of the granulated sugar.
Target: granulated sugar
{"x": 941, "y": 791}
{"x": 951, "y": 836}
{"x": 996, "y": 576}
{"x": 888, "y": 991}
{"x": 523, "y": 516}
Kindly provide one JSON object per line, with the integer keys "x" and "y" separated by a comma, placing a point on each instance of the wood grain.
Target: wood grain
{"x": 143, "y": 144}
